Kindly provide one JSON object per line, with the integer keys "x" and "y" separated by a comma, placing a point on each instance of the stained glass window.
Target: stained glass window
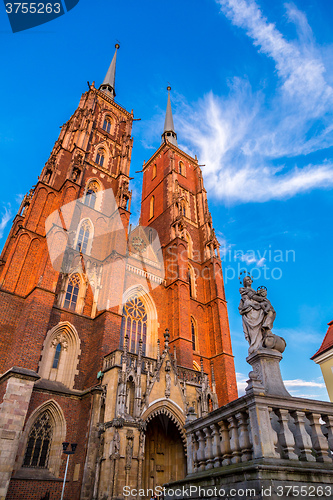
{"x": 134, "y": 324}
{"x": 39, "y": 442}
{"x": 72, "y": 292}
{"x": 56, "y": 356}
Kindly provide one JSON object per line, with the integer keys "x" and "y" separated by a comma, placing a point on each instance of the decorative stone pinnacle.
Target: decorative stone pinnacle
{"x": 140, "y": 349}
{"x": 158, "y": 351}
{"x": 126, "y": 344}
{"x": 166, "y": 338}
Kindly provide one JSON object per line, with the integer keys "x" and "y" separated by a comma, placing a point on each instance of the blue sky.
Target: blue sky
{"x": 252, "y": 95}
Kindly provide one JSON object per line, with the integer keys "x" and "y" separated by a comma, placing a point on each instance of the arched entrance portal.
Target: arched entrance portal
{"x": 164, "y": 453}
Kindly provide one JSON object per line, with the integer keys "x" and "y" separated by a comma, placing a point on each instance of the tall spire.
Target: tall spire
{"x": 169, "y": 128}
{"x": 108, "y": 86}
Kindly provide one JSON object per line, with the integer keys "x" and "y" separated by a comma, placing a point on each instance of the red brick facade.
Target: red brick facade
{"x": 32, "y": 290}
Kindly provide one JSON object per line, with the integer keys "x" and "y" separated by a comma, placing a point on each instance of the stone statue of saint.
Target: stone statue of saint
{"x": 258, "y": 317}
{"x": 115, "y": 445}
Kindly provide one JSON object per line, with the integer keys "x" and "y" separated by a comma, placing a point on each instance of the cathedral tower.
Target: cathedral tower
{"x": 109, "y": 335}
{"x": 174, "y": 203}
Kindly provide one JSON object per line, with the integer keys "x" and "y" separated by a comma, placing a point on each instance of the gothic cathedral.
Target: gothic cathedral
{"x": 110, "y": 336}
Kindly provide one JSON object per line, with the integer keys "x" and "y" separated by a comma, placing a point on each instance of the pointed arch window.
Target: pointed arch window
{"x": 150, "y": 236}
{"x": 154, "y": 171}
{"x": 72, "y": 292}
{"x": 107, "y": 124}
{"x": 91, "y": 194}
{"x": 189, "y": 277}
{"x": 191, "y": 281}
{"x": 134, "y": 324}
{"x": 181, "y": 168}
{"x": 56, "y": 356}
{"x": 151, "y": 207}
{"x": 39, "y": 442}
{"x": 100, "y": 157}
{"x": 83, "y": 238}
{"x": 193, "y": 335}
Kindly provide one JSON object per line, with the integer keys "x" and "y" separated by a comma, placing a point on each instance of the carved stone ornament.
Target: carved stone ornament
{"x": 129, "y": 449}
{"x": 167, "y": 384}
{"x": 115, "y": 444}
{"x": 138, "y": 244}
{"x": 118, "y": 422}
{"x": 60, "y": 339}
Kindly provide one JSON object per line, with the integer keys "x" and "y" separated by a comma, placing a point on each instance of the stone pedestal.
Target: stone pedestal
{"x": 266, "y": 370}
{"x": 17, "y": 385}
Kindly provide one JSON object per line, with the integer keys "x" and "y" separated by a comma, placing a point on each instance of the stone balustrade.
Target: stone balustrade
{"x": 257, "y": 426}
{"x": 115, "y": 359}
{"x": 190, "y": 376}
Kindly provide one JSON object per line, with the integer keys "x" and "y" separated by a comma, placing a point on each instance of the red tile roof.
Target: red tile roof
{"x": 327, "y": 342}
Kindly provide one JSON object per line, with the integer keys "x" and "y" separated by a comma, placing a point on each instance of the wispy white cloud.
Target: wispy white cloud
{"x": 303, "y": 383}
{"x": 241, "y": 383}
{"x": 19, "y": 198}
{"x": 311, "y": 389}
{"x": 5, "y": 217}
{"x": 250, "y": 258}
{"x": 239, "y": 136}
{"x": 296, "y": 387}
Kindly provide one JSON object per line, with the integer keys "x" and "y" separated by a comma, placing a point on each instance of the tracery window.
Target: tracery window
{"x": 39, "y": 442}
{"x": 100, "y": 157}
{"x": 107, "y": 125}
{"x": 134, "y": 324}
{"x": 91, "y": 194}
{"x": 83, "y": 238}
{"x": 72, "y": 292}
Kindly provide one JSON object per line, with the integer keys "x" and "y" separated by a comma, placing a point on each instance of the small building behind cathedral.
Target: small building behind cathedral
{"x": 109, "y": 334}
{"x": 324, "y": 358}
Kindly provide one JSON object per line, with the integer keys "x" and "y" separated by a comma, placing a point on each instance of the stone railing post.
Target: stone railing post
{"x": 261, "y": 430}
{"x": 234, "y": 442}
{"x": 285, "y": 436}
{"x": 195, "y": 448}
{"x": 319, "y": 441}
{"x": 225, "y": 444}
{"x": 201, "y": 450}
{"x": 209, "y": 459}
{"x": 328, "y": 419}
{"x": 190, "y": 453}
{"x": 302, "y": 438}
{"x": 190, "y": 439}
{"x": 216, "y": 446}
{"x": 243, "y": 436}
